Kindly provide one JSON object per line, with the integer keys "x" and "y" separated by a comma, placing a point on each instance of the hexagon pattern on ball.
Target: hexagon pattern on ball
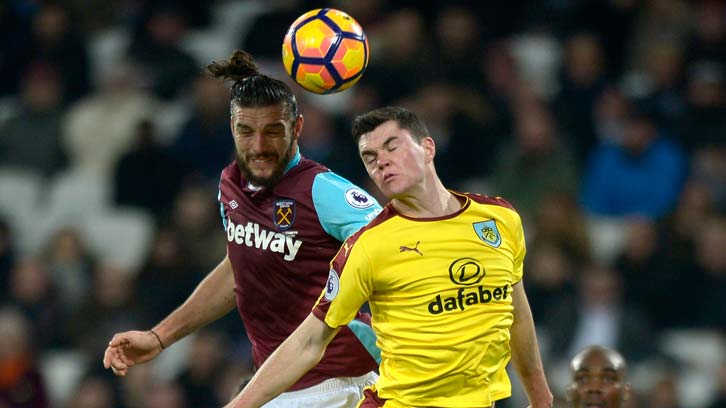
{"x": 325, "y": 51}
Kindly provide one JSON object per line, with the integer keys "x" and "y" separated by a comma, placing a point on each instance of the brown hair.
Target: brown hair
{"x": 405, "y": 119}
{"x": 251, "y": 88}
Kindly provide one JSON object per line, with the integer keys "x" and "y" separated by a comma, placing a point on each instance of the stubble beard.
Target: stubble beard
{"x": 273, "y": 178}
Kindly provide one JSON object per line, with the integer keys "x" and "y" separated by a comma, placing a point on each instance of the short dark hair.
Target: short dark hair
{"x": 405, "y": 119}
{"x": 250, "y": 88}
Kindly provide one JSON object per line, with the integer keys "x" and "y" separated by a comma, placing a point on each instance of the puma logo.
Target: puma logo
{"x": 404, "y": 248}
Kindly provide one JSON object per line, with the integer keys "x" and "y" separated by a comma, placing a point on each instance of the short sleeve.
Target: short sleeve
{"x": 221, "y": 206}
{"x": 520, "y": 249}
{"x": 342, "y": 207}
{"x": 348, "y": 286}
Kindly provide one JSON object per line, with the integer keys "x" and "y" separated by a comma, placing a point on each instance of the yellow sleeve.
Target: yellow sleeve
{"x": 348, "y": 287}
{"x": 520, "y": 249}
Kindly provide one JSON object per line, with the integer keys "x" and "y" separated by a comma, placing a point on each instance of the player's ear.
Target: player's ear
{"x": 626, "y": 392}
{"x": 429, "y": 147}
{"x": 297, "y": 127}
{"x": 570, "y": 392}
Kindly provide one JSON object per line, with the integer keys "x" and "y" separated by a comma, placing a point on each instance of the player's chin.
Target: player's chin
{"x": 391, "y": 189}
{"x": 267, "y": 177}
{"x": 264, "y": 171}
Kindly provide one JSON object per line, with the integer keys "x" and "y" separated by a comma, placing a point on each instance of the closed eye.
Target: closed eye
{"x": 368, "y": 158}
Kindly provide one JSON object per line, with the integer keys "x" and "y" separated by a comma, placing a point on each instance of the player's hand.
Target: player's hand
{"x": 127, "y": 349}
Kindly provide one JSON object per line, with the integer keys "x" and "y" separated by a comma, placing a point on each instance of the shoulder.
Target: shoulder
{"x": 368, "y": 233}
{"x": 487, "y": 200}
{"x": 329, "y": 185}
{"x": 496, "y": 207}
{"x": 231, "y": 172}
{"x": 377, "y": 224}
{"x": 310, "y": 166}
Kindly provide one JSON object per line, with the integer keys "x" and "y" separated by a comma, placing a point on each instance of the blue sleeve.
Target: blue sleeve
{"x": 342, "y": 207}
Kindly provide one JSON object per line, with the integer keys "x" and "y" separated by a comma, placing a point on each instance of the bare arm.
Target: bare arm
{"x": 212, "y": 299}
{"x": 525, "y": 352}
{"x": 295, "y": 357}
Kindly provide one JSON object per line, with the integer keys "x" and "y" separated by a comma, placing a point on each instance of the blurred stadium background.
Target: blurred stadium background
{"x": 602, "y": 121}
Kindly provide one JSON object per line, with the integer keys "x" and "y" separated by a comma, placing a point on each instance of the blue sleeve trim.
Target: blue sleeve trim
{"x": 342, "y": 207}
{"x": 367, "y": 337}
{"x": 221, "y": 209}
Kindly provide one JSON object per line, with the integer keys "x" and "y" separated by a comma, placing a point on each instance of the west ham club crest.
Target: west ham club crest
{"x": 284, "y": 214}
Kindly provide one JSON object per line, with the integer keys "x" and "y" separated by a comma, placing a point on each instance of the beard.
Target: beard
{"x": 277, "y": 172}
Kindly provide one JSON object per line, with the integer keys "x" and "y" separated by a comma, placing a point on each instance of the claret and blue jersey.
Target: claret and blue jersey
{"x": 280, "y": 243}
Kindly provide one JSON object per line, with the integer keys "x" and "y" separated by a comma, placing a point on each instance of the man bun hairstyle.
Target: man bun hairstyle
{"x": 251, "y": 89}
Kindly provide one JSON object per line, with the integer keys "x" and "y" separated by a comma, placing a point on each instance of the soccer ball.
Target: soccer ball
{"x": 325, "y": 51}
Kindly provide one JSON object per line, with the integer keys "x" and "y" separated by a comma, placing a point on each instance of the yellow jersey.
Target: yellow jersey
{"x": 439, "y": 290}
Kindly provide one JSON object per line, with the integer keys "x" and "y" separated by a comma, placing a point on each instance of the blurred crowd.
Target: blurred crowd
{"x": 602, "y": 121}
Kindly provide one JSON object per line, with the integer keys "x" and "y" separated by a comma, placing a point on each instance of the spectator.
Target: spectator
{"x": 582, "y": 81}
{"x": 708, "y": 37}
{"x": 640, "y": 176}
{"x": 167, "y": 395}
{"x": 549, "y": 278}
{"x": 168, "y": 261}
{"x": 611, "y": 112}
{"x": 598, "y": 315}
{"x": 536, "y": 163}
{"x": 265, "y": 35}
{"x": 93, "y": 392}
{"x": 709, "y": 273}
{"x": 148, "y": 175}
{"x": 56, "y": 41}
{"x": 204, "y": 140}
{"x": 598, "y": 378}
{"x": 458, "y": 119}
{"x": 401, "y": 54}
{"x": 666, "y": 21}
{"x": 560, "y": 222}
{"x": 31, "y": 139}
{"x": 651, "y": 280}
{"x": 195, "y": 220}
{"x": 663, "y": 68}
{"x": 110, "y": 307}
{"x": 458, "y": 37}
{"x": 117, "y": 107}
{"x": 33, "y": 293}
{"x": 156, "y": 48}
{"x": 704, "y": 123}
{"x": 204, "y": 370}
{"x": 664, "y": 393}
{"x": 21, "y": 383}
{"x": 70, "y": 264}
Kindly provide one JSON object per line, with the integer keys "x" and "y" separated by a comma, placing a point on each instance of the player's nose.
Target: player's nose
{"x": 258, "y": 143}
{"x": 382, "y": 160}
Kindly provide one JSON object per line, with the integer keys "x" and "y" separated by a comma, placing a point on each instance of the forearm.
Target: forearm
{"x": 296, "y": 356}
{"x": 525, "y": 352}
{"x": 212, "y": 299}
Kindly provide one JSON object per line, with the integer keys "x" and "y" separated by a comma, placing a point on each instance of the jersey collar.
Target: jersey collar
{"x": 294, "y": 162}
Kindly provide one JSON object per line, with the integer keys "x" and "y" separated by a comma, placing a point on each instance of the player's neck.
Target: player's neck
{"x": 434, "y": 201}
